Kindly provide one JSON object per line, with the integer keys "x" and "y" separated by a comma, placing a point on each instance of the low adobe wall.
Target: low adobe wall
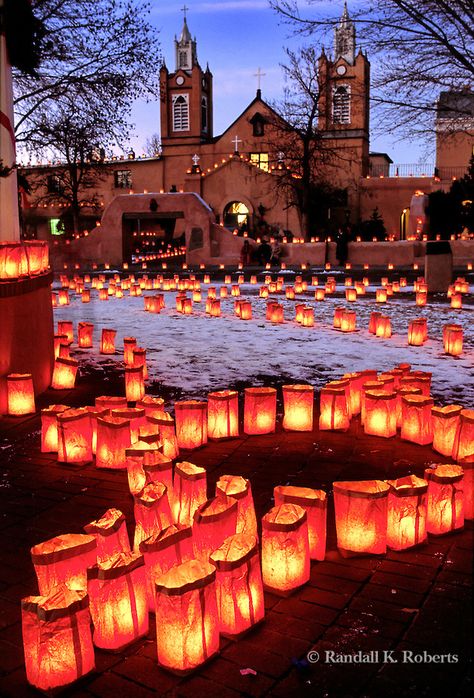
{"x": 26, "y": 332}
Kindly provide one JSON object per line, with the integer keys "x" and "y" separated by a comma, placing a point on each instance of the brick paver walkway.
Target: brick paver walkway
{"x": 415, "y": 601}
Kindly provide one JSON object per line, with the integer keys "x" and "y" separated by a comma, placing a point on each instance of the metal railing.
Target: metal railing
{"x": 417, "y": 170}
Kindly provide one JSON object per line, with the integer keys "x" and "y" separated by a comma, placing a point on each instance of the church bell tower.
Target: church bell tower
{"x": 186, "y": 95}
{"x": 344, "y": 99}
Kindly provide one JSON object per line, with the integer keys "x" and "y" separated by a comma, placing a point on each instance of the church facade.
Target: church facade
{"x": 238, "y": 173}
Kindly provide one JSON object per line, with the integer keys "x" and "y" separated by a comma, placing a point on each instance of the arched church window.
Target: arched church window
{"x": 341, "y": 105}
{"x": 183, "y": 59}
{"x": 181, "y": 113}
{"x": 204, "y": 113}
{"x": 236, "y": 215}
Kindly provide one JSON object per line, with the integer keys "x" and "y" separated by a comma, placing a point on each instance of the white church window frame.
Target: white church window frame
{"x": 341, "y": 104}
{"x": 181, "y": 112}
{"x": 183, "y": 58}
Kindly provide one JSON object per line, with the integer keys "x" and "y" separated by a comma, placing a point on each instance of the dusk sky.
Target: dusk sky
{"x": 236, "y": 37}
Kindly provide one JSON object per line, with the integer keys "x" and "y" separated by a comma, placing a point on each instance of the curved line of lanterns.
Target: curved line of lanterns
{"x": 195, "y": 562}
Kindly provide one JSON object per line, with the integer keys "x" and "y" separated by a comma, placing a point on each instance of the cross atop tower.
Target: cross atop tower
{"x": 184, "y": 9}
{"x": 259, "y": 75}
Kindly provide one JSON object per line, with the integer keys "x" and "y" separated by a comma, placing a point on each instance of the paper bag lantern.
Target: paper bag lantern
{"x": 167, "y": 434}
{"x": 259, "y": 410}
{"x": 110, "y": 532}
{"x": 351, "y": 295}
{"x": 136, "y": 456}
{"x": 191, "y": 423}
{"x": 307, "y": 319}
{"x": 239, "y": 488}
{"x": 348, "y": 321}
{"x": 74, "y": 436}
{"x": 380, "y": 413}
{"x": 418, "y": 379}
{"x": 361, "y": 517}
{"x": 110, "y": 402}
{"x": 453, "y": 339}
{"x": 314, "y": 502}
{"x": 381, "y": 295}
{"x": 107, "y": 341}
{"x": 66, "y": 327}
{"x": 245, "y": 310}
{"x": 49, "y": 427}
{"x": 63, "y": 560}
{"x": 373, "y": 321}
{"x": 421, "y": 298}
{"x": 129, "y": 344}
{"x": 64, "y": 351}
{"x": 356, "y": 381}
{"x": 187, "y": 621}
{"x": 463, "y": 447}
{"x": 20, "y": 394}
{"x": 57, "y": 638}
{"x": 63, "y": 297}
{"x": 113, "y": 438}
{"x": 85, "y": 295}
{"x": 445, "y": 425}
{"x": 417, "y": 423}
{"x": 162, "y": 551}
{"x": 136, "y": 417}
{"x": 223, "y": 414}
{"x": 134, "y": 383}
{"x": 118, "y": 600}
{"x": 456, "y": 301}
{"x": 417, "y": 332}
{"x": 337, "y": 319}
{"x": 298, "y": 402}
{"x": 152, "y": 512}
{"x": 285, "y": 549}
{"x": 84, "y": 334}
{"x": 406, "y": 522}
{"x": 189, "y": 491}
{"x": 58, "y": 341}
{"x": 64, "y": 374}
{"x": 153, "y": 406}
{"x": 13, "y": 260}
{"x": 213, "y": 522}
{"x": 320, "y": 294}
{"x": 401, "y": 392}
{"x": 290, "y": 293}
{"x": 383, "y": 327}
{"x": 239, "y": 584}
{"x": 139, "y": 359}
{"x": 333, "y": 407}
{"x": 445, "y": 498}
{"x": 93, "y": 413}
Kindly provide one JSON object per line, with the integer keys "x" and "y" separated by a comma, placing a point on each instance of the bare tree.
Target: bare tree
{"x": 78, "y": 140}
{"x": 97, "y": 53}
{"x": 423, "y": 47}
{"x": 153, "y": 146}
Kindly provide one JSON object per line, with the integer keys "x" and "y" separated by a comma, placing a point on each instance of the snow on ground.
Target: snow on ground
{"x": 197, "y": 353}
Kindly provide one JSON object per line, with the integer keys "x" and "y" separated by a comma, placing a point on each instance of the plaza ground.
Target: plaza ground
{"x": 417, "y": 601}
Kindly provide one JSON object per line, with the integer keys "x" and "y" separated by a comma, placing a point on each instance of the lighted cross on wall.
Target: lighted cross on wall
{"x": 259, "y": 75}
{"x": 236, "y": 142}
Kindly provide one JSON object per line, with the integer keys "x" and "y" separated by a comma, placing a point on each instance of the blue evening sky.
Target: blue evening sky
{"x": 236, "y": 37}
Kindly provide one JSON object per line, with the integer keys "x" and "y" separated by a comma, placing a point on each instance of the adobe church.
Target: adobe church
{"x": 237, "y": 173}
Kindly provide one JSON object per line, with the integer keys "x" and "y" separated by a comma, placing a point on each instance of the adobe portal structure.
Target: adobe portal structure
{"x": 173, "y": 216}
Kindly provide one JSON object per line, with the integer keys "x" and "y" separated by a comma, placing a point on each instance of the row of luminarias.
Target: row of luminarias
{"x": 195, "y": 562}
{"x": 344, "y": 320}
